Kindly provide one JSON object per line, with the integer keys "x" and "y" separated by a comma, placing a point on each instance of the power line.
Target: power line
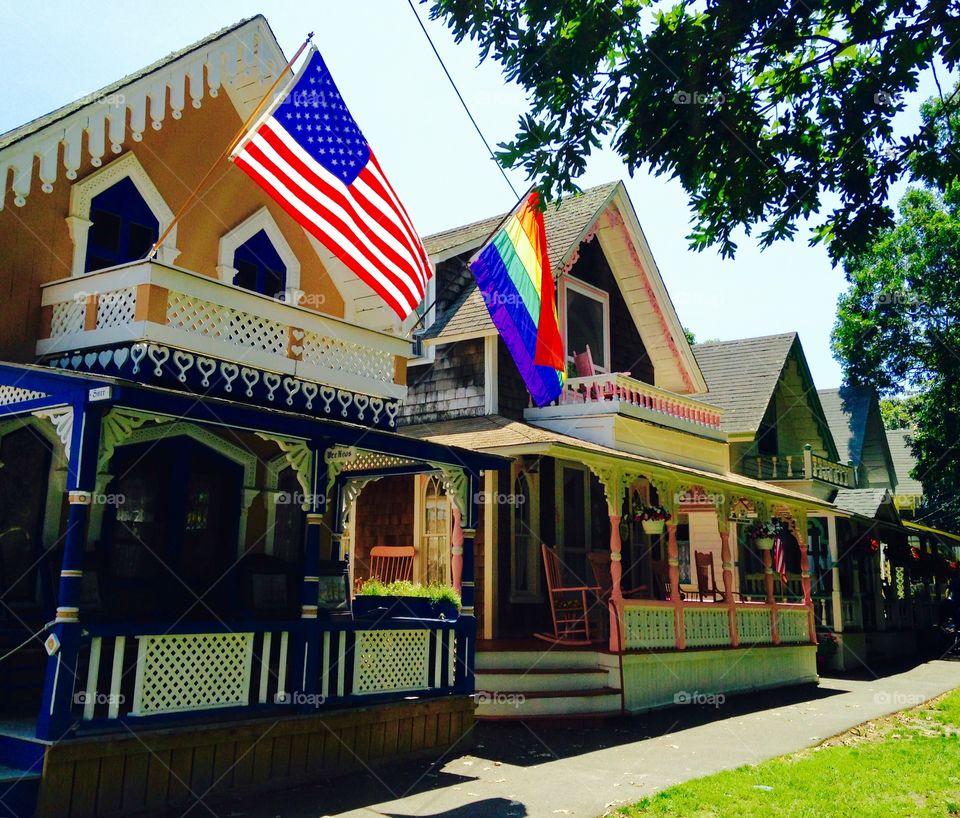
{"x": 463, "y": 102}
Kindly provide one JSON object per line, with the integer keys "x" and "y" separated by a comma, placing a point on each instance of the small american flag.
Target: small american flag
{"x": 779, "y": 561}
{"x": 308, "y": 153}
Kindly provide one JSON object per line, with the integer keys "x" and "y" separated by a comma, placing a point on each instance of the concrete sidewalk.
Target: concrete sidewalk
{"x": 586, "y": 769}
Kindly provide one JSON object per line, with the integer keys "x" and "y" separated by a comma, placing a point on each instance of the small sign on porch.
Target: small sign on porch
{"x": 100, "y": 393}
{"x": 340, "y": 455}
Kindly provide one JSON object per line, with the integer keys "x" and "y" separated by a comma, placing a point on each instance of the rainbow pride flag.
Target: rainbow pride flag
{"x": 514, "y": 277}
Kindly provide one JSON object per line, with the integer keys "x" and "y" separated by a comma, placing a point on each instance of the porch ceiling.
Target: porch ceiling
{"x": 502, "y": 436}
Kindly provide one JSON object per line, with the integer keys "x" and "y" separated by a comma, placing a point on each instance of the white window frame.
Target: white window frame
{"x": 245, "y": 230}
{"x": 567, "y": 283}
{"x": 421, "y": 483}
{"x": 83, "y": 192}
{"x": 533, "y": 592}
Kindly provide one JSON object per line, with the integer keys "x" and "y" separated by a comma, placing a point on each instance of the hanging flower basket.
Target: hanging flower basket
{"x": 653, "y": 526}
{"x": 764, "y": 533}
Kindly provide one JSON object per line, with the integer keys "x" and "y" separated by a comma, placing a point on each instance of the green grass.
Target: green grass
{"x": 905, "y": 765}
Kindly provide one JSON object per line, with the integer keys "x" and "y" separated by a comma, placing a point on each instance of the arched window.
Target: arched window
{"x": 526, "y": 556}
{"x": 435, "y": 539}
{"x": 123, "y": 226}
{"x": 259, "y": 266}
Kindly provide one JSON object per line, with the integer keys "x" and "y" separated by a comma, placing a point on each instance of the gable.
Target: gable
{"x": 857, "y": 427}
{"x": 243, "y": 60}
{"x": 605, "y": 214}
{"x": 765, "y": 381}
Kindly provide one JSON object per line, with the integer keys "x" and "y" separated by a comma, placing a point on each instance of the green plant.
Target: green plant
{"x": 827, "y": 644}
{"x": 434, "y": 591}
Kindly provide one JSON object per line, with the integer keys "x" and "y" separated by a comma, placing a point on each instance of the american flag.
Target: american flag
{"x": 779, "y": 561}
{"x": 308, "y": 153}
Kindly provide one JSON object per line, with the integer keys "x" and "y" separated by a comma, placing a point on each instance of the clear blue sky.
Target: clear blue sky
{"x": 56, "y": 51}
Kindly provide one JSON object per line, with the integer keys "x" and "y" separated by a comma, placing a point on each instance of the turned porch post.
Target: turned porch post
{"x": 468, "y": 535}
{"x": 83, "y": 446}
{"x": 771, "y": 599}
{"x": 800, "y": 532}
{"x": 316, "y": 505}
{"x": 456, "y": 549}
{"x": 726, "y": 558}
{"x": 673, "y": 560}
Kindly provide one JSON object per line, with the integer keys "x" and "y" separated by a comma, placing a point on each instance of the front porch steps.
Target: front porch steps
{"x": 547, "y": 683}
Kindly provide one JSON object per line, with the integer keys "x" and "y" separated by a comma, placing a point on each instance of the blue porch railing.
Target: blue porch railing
{"x": 140, "y": 674}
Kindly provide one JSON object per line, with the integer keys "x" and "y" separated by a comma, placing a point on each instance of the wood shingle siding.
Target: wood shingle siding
{"x": 452, "y": 387}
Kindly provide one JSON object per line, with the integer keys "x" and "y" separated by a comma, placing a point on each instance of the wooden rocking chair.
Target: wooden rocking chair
{"x": 661, "y": 580}
{"x": 389, "y": 563}
{"x": 600, "y": 565}
{"x": 707, "y": 577}
{"x": 568, "y": 604}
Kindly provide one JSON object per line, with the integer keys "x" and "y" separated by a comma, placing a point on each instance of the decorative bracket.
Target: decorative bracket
{"x": 62, "y": 420}
{"x": 298, "y": 456}
{"x": 456, "y": 484}
{"x": 117, "y": 426}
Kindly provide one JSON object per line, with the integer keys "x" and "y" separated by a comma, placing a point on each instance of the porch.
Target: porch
{"x": 181, "y": 560}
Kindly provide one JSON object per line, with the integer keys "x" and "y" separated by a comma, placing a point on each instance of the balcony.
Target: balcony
{"x": 150, "y": 322}
{"x": 806, "y": 466}
{"x": 620, "y": 394}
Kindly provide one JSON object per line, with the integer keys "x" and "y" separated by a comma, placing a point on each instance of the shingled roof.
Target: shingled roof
{"x": 742, "y": 375}
{"x": 565, "y": 222}
{"x": 847, "y": 410}
{"x": 866, "y": 502}
{"x": 903, "y": 462}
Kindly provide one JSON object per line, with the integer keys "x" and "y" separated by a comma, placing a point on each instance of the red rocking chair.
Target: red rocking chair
{"x": 568, "y": 604}
{"x": 607, "y": 390}
{"x": 389, "y": 563}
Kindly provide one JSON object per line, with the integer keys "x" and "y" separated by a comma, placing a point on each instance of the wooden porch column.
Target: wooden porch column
{"x": 771, "y": 599}
{"x": 673, "y": 560}
{"x": 83, "y": 450}
{"x": 468, "y": 535}
{"x": 456, "y": 549}
{"x": 800, "y": 532}
{"x": 726, "y": 558}
{"x": 309, "y": 589}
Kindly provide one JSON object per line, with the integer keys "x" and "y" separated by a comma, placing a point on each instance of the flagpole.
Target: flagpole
{"x": 229, "y": 149}
{"x": 483, "y": 244}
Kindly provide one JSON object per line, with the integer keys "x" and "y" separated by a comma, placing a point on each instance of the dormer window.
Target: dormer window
{"x": 259, "y": 266}
{"x": 256, "y": 256}
{"x": 586, "y": 319}
{"x": 123, "y": 227}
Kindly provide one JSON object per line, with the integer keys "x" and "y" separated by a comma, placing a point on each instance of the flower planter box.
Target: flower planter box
{"x": 403, "y": 607}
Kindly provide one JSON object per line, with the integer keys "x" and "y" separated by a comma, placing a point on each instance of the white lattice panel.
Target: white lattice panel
{"x": 197, "y": 671}
{"x": 706, "y": 626}
{"x": 10, "y": 395}
{"x": 116, "y": 308}
{"x": 391, "y": 661}
{"x": 753, "y": 626}
{"x": 332, "y": 353}
{"x": 649, "y": 627}
{"x": 793, "y": 625}
{"x": 184, "y": 312}
{"x": 250, "y": 330}
{"x": 67, "y": 317}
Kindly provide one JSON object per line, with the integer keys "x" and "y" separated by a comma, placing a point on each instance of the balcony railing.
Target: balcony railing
{"x": 805, "y": 466}
{"x": 616, "y": 392}
{"x": 152, "y": 303}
